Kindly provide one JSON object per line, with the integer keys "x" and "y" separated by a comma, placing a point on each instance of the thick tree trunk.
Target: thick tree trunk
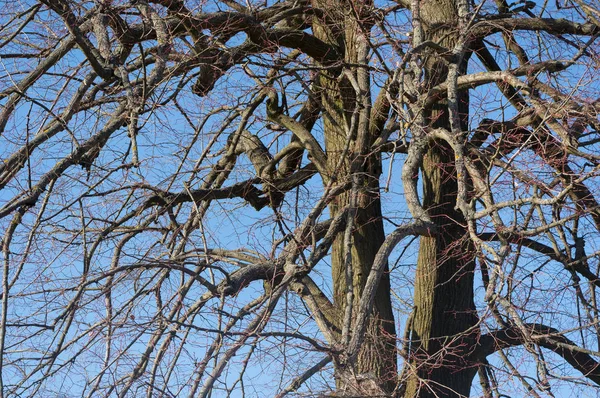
{"x": 377, "y": 358}
{"x": 443, "y": 323}
{"x": 442, "y": 327}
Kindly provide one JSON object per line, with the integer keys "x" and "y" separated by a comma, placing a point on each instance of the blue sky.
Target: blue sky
{"x": 57, "y": 251}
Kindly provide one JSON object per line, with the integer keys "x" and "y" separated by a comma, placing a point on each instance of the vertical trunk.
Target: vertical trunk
{"x": 442, "y": 328}
{"x": 377, "y": 357}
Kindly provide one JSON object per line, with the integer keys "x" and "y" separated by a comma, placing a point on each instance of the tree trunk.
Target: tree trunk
{"x": 377, "y": 358}
{"x": 442, "y": 326}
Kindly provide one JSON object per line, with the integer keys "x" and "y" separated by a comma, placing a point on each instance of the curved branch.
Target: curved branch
{"x": 547, "y": 337}
{"x": 579, "y": 265}
{"x": 313, "y": 147}
{"x": 420, "y": 228}
{"x": 298, "y": 381}
{"x": 550, "y": 25}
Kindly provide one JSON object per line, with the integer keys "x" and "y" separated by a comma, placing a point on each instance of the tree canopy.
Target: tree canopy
{"x": 264, "y": 198}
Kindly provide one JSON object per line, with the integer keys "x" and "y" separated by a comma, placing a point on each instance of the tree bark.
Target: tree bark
{"x": 377, "y": 358}
{"x": 442, "y": 327}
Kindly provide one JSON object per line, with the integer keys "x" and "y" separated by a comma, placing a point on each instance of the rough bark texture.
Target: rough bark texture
{"x": 377, "y": 357}
{"x": 442, "y": 328}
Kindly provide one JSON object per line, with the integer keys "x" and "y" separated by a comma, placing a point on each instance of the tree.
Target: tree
{"x": 358, "y": 198}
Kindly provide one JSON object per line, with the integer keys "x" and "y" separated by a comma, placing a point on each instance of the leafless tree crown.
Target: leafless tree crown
{"x": 301, "y": 197}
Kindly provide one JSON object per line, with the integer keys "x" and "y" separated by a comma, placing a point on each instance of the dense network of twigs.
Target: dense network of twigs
{"x": 174, "y": 174}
